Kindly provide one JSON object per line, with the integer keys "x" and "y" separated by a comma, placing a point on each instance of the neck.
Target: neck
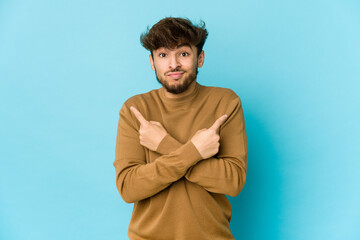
{"x": 187, "y": 92}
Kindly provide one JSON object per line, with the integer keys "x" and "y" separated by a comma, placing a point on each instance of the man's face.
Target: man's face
{"x": 176, "y": 68}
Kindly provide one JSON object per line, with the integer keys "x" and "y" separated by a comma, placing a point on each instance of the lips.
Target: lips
{"x": 175, "y": 75}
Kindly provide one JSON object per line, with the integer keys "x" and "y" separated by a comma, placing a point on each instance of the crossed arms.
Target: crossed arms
{"x": 200, "y": 160}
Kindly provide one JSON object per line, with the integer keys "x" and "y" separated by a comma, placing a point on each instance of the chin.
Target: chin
{"x": 177, "y": 86}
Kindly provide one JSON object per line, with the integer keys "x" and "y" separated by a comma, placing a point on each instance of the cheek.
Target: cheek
{"x": 189, "y": 64}
{"x": 159, "y": 67}
{"x": 194, "y": 65}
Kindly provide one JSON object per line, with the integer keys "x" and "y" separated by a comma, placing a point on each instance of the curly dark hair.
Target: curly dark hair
{"x": 171, "y": 32}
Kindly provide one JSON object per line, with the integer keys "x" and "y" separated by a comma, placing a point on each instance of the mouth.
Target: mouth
{"x": 175, "y": 75}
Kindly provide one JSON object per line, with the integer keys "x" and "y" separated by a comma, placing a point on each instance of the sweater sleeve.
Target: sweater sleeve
{"x": 136, "y": 178}
{"x": 168, "y": 145}
{"x": 224, "y": 173}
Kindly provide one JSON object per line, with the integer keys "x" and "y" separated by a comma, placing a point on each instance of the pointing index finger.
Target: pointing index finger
{"x": 218, "y": 122}
{"x": 139, "y": 116}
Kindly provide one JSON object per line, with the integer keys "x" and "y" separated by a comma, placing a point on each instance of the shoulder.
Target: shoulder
{"x": 142, "y": 99}
{"x": 220, "y": 93}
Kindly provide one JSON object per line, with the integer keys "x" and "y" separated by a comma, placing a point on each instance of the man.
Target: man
{"x": 181, "y": 148}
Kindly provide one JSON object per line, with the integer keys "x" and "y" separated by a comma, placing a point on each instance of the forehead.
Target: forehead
{"x": 183, "y": 45}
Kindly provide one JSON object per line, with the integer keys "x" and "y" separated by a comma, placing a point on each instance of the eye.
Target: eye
{"x": 162, "y": 55}
{"x": 184, "y": 54}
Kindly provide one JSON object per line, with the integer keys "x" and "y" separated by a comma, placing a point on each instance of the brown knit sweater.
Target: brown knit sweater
{"x": 176, "y": 194}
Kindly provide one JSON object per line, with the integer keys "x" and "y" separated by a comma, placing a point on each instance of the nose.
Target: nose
{"x": 174, "y": 62}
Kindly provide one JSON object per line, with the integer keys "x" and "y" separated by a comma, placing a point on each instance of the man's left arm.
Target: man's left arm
{"x": 225, "y": 172}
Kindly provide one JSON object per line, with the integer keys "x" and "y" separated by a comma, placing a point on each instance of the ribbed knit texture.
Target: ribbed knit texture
{"x": 176, "y": 194}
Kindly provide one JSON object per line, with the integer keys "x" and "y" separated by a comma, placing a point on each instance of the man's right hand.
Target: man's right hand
{"x": 207, "y": 140}
{"x": 151, "y": 133}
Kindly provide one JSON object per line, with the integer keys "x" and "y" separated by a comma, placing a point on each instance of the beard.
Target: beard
{"x": 178, "y": 88}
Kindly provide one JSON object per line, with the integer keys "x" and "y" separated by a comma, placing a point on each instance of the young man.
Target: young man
{"x": 181, "y": 148}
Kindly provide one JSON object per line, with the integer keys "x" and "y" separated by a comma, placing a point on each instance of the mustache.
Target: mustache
{"x": 176, "y": 70}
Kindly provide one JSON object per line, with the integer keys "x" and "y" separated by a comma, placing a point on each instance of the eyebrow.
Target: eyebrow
{"x": 183, "y": 45}
{"x": 180, "y": 46}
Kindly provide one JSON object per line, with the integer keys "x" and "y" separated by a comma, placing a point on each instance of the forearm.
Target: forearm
{"x": 136, "y": 181}
{"x": 219, "y": 175}
{"x": 168, "y": 145}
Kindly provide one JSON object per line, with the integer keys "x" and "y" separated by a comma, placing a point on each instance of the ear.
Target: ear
{"x": 152, "y": 62}
{"x": 201, "y": 59}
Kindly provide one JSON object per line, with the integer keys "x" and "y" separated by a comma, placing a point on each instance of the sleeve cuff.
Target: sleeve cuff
{"x": 184, "y": 157}
{"x": 190, "y": 154}
{"x": 168, "y": 145}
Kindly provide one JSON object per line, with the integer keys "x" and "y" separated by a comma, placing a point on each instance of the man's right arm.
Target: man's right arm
{"x": 135, "y": 178}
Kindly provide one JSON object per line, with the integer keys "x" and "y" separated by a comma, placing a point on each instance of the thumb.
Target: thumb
{"x": 156, "y": 123}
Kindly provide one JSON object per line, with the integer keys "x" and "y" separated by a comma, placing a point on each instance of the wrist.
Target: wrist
{"x": 168, "y": 144}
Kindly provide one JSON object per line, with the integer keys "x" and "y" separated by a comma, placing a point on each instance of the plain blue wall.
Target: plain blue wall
{"x": 66, "y": 67}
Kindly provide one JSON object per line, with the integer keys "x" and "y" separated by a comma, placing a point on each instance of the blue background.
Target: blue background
{"x": 66, "y": 67}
